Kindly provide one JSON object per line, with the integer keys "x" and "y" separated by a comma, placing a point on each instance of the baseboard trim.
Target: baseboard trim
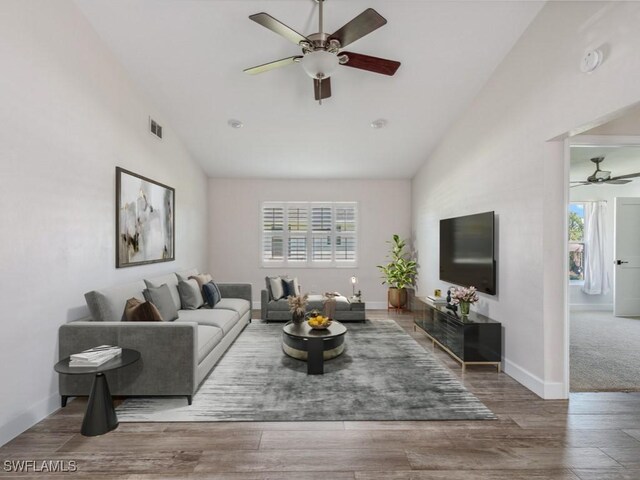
{"x": 376, "y": 305}
{"x": 545, "y": 390}
{"x": 28, "y": 418}
{"x": 595, "y": 307}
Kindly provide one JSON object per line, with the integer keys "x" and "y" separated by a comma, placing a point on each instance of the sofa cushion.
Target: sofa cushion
{"x": 171, "y": 280}
{"x": 107, "y": 305}
{"x": 161, "y": 298}
{"x": 208, "y": 338}
{"x": 282, "y": 305}
{"x": 276, "y": 288}
{"x": 190, "y": 295}
{"x": 291, "y": 287}
{"x": 316, "y": 302}
{"x": 238, "y": 305}
{"x": 223, "y": 319}
{"x": 185, "y": 274}
{"x": 138, "y": 311}
{"x": 211, "y": 293}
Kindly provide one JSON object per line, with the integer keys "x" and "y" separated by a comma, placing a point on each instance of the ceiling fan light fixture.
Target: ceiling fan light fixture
{"x": 319, "y": 64}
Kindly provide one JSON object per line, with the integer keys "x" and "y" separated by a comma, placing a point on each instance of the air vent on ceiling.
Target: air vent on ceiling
{"x": 155, "y": 128}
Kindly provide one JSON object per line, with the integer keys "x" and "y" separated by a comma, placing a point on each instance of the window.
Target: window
{"x": 317, "y": 234}
{"x": 576, "y": 242}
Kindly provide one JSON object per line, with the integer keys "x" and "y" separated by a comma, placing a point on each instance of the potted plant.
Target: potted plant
{"x": 298, "y": 307}
{"x": 399, "y": 273}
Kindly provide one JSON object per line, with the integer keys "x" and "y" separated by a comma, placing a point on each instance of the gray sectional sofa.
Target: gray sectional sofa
{"x": 175, "y": 356}
{"x": 278, "y": 310}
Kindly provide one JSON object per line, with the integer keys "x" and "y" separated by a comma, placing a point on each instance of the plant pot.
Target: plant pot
{"x": 397, "y": 297}
{"x": 297, "y": 318}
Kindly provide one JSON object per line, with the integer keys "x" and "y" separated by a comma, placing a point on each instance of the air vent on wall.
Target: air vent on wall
{"x": 155, "y": 128}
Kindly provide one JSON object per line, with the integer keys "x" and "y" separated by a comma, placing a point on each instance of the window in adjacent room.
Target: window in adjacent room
{"x": 309, "y": 234}
{"x": 576, "y": 242}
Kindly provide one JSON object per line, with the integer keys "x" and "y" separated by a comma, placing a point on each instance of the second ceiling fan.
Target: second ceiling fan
{"x": 322, "y": 52}
{"x": 600, "y": 177}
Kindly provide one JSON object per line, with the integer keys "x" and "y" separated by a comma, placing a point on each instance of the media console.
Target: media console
{"x": 472, "y": 340}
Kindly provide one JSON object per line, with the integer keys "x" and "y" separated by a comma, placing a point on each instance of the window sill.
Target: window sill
{"x": 576, "y": 282}
{"x": 310, "y": 267}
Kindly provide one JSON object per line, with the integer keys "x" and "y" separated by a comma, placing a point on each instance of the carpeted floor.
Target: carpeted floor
{"x": 382, "y": 375}
{"x": 605, "y": 352}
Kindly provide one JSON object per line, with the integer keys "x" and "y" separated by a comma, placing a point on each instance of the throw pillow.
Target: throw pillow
{"x": 138, "y": 311}
{"x": 201, "y": 278}
{"x": 277, "y": 288}
{"x": 173, "y": 288}
{"x": 291, "y": 287}
{"x": 161, "y": 298}
{"x": 190, "y": 295}
{"x": 211, "y": 294}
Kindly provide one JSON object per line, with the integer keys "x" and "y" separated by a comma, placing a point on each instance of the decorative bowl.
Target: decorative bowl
{"x": 322, "y": 325}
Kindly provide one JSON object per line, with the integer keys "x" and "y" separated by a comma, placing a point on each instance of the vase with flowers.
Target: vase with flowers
{"x": 298, "y": 307}
{"x": 465, "y": 297}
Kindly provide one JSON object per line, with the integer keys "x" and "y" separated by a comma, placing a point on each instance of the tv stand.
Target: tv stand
{"x": 471, "y": 340}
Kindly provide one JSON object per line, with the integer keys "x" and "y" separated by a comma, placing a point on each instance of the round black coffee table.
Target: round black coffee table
{"x": 315, "y": 346}
{"x": 100, "y": 416}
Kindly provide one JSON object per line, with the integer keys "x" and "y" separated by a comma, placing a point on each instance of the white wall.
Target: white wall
{"x": 69, "y": 115}
{"x": 577, "y": 298}
{"x": 234, "y": 230}
{"x": 497, "y": 157}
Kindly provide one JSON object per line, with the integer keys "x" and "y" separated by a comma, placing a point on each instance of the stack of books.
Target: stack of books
{"x": 437, "y": 301}
{"x": 95, "y": 356}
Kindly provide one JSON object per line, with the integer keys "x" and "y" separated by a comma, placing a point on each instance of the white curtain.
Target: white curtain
{"x": 596, "y": 277}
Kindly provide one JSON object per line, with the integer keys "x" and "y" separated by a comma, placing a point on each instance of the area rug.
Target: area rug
{"x": 604, "y": 352}
{"x": 384, "y": 374}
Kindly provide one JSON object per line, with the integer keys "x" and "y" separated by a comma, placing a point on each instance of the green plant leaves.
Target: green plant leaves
{"x": 401, "y": 271}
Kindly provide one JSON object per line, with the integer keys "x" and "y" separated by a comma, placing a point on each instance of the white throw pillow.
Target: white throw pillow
{"x": 277, "y": 289}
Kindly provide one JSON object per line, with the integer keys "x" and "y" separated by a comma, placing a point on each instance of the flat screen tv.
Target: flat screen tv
{"x": 467, "y": 251}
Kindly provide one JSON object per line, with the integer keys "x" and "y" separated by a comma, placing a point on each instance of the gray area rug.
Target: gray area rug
{"x": 382, "y": 375}
{"x": 605, "y": 352}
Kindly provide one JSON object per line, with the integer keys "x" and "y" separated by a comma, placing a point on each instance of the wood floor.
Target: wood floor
{"x": 591, "y": 437}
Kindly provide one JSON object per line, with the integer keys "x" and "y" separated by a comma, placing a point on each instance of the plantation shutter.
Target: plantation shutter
{"x": 345, "y": 232}
{"x": 307, "y": 234}
{"x": 272, "y": 233}
{"x": 297, "y": 227}
{"x": 321, "y": 233}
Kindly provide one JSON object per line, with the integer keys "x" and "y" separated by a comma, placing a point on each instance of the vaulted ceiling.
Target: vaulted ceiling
{"x": 187, "y": 57}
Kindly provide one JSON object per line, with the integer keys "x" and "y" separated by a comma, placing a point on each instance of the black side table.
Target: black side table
{"x": 100, "y": 416}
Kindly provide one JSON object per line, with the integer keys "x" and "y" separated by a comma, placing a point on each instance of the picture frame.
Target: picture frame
{"x": 145, "y": 220}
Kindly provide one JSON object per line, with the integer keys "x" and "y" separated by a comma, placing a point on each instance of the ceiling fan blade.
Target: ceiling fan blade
{"x": 581, "y": 184}
{"x": 622, "y": 177}
{"x": 322, "y": 88}
{"x": 371, "y": 64}
{"x": 278, "y": 27}
{"x": 265, "y": 67}
{"x": 617, "y": 182}
{"x": 362, "y": 25}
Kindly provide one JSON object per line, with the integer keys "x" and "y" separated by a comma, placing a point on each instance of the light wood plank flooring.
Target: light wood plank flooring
{"x": 591, "y": 437}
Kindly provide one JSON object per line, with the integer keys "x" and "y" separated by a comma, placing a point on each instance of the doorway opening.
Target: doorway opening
{"x": 603, "y": 248}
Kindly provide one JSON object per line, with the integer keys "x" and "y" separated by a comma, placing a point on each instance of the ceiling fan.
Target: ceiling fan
{"x": 602, "y": 176}
{"x": 321, "y": 52}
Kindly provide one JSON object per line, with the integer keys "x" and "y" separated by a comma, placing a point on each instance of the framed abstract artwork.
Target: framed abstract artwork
{"x": 145, "y": 220}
